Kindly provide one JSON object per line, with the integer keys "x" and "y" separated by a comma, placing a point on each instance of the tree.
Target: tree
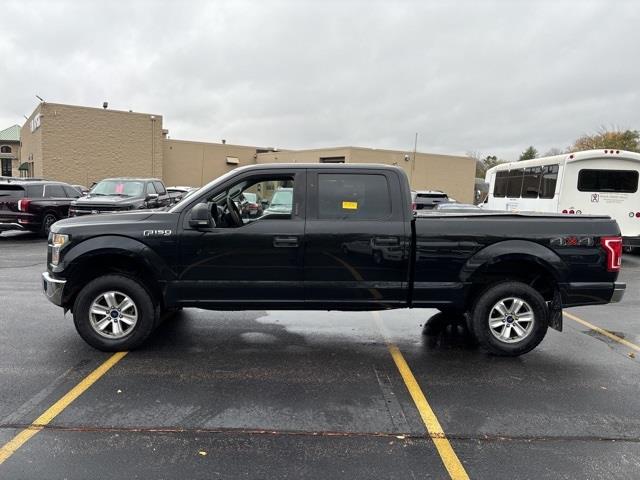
{"x": 618, "y": 139}
{"x": 529, "y": 153}
{"x": 553, "y": 151}
{"x": 484, "y": 164}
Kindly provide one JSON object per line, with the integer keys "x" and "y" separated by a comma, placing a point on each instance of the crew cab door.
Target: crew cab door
{"x": 257, "y": 264}
{"x": 356, "y": 251}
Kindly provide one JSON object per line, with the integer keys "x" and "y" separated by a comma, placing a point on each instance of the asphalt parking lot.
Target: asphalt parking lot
{"x": 271, "y": 394}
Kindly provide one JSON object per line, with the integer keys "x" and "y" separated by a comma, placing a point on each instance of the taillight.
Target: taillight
{"x": 414, "y": 206}
{"x": 613, "y": 247}
{"x": 23, "y": 204}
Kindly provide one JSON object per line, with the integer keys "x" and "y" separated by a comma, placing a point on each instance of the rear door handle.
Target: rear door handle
{"x": 386, "y": 241}
{"x": 285, "y": 242}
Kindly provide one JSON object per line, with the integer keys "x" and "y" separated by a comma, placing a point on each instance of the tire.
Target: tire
{"x": 48, "y": 220}
{"x": 519, "y": 316}
{"x": 125, "y": 330}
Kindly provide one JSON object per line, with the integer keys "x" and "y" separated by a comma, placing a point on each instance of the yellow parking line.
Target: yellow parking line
{"x": 602, "y": 331}
{"x": 434, "y": 429}
{"x": 54, "y": 410}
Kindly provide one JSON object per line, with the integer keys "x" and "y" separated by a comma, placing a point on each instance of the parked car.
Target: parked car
{"x": 34, "y": 205}
{"x": 177, "y": 193}
{"x": 506, "y": 275}
{"x": 281, "y": 202}
{"x": 427, "y": 199}
{"x": 116, "y": 195}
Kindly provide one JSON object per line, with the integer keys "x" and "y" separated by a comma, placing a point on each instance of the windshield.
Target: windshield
{"x": 283, "y": 198}
{"x": 250, "y": 197}
{"x": 123, "y": 188}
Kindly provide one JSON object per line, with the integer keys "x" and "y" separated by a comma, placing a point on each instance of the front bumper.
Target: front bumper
{"x": 53, "y": 288}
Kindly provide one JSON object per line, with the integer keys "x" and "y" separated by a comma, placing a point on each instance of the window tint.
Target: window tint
{"x": 54, "y": 191}
{"x": 514, "y": 185}
{"x": 623, "y": 181}
{"x": 549, "y": 179}
{"x": 159, "y": 188}
{"x": 150, "y": 189}
{"x": 353, "y": 196}
{"x": 71, "y": 192}
{"x": 10, "y": 191}
{"x": 35, "y": 191}
{"x": 531, "y": 182}
{"x": 500, "y": 187}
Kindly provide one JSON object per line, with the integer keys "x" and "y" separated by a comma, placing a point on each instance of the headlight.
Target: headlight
{"x": 58, "y": 240}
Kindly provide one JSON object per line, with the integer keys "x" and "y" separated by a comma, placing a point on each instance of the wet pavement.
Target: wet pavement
{"x": 313, "y": 394}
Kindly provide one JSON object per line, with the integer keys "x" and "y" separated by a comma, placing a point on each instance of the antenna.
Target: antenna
{"x": 40, "y": 98}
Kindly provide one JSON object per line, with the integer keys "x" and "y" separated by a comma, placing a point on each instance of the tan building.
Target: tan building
{"x": 10, "y": 151}
{"x": 81, "y": 145}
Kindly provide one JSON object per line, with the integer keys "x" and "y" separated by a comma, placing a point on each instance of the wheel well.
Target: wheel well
{"x": 526, "y": 271}
{"x": 92, "y": 267}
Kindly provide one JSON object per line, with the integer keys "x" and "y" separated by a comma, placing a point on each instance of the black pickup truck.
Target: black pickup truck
{"x": 114, "y": 195}
{"x": 342, "y": 238}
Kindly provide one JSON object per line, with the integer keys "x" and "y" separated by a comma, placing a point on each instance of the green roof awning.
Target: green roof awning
{"x": 24, "y": 166}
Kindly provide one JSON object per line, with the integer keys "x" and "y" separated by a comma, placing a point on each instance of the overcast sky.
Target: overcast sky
{"x": 480, "y": 76}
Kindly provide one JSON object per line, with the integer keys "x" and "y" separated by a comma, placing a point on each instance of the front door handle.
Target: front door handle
{"x": 285, "y": 242}
{"x": 385, "y": 241}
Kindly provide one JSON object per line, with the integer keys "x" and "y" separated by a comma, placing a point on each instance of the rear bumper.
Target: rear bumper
{"x": 53, "y": 288}
{"x": 575, "y": 294}
{"x": 6, "y": 226}
{"x": 631, "y": 241}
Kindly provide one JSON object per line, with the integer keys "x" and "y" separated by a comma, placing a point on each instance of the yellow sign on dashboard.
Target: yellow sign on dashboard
{"x": 350, "y": 205}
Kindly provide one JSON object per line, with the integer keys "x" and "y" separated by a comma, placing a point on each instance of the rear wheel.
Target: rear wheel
{"x": 48, "y": 220}
{"x": 114, "y": 312}
{"x": 509, "y": 318}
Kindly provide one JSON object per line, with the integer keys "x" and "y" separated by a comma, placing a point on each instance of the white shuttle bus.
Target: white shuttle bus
{"x": 598, "y": 182}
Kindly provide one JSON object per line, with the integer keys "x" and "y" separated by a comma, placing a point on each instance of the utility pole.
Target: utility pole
{"x": 413, "y": 164}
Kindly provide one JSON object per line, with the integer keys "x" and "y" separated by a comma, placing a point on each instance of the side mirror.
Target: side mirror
{"x": 152, "y": 196}
{"x": 200, "y": 217}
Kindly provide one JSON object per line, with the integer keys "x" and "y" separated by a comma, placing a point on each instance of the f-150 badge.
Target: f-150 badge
{"x": 156, "y": 233}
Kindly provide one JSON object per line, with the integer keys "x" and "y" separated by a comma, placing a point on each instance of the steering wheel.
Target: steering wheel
{"x": 234, "y": 213}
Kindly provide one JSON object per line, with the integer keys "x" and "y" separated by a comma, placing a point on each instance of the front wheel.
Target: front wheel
{"x": 509, "y": 319}
{"x": 114, "y": 312}
{"x": 48, "y": 220}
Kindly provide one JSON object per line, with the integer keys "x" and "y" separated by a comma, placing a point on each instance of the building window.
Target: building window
{"x": 331, "y": 159}
{"x": 5, "y": 149}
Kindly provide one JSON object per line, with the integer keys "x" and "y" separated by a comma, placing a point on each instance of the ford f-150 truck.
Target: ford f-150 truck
{"x": 345, "y": 239}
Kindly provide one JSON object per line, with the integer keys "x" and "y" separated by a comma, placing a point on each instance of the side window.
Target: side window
{"x": 35, "y": 191}
{"x": 549, "y": 179}
{"x": 500, "y": 186}
{"x": 54, "y": 191}
{"x": 150, "y": 189}
{"x": 514, "y": 186}
{"x": 620, "y": 181}
{"x": 531, "y": 182}
{"x": 160, "y": 188}
{"x": 353, "y": 196}
{"x": 71, "y": 192}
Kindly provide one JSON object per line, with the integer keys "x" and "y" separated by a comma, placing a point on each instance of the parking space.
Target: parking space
{"x": 313, "y": 394}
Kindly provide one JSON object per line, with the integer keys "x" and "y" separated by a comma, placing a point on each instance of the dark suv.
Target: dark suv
{"x": 115, "y": 195}
{"x": 34, "y": 204}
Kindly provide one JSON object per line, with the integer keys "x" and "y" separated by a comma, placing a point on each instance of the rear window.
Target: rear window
{"x": 353, "y": 196}
{"x": 621, "y": 181}
{"x": 10, "y": 192}
{"x": 432, "y": 195}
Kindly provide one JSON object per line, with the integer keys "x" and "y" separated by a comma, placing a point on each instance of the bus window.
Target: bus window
{"x": 500, "y": 186}
{"x": 622, "y": 181}
{"x": 514, "y": 186}
{"x": 531, "y": 182}
{"x": 549, "y": 179}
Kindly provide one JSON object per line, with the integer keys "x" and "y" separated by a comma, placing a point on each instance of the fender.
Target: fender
{"x": 117, "y": 245}
{"x": 516, "y": 250}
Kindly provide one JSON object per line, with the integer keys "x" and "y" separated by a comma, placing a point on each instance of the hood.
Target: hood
{"x": 100, "y": 200}
{"x": 125, "y": 218}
